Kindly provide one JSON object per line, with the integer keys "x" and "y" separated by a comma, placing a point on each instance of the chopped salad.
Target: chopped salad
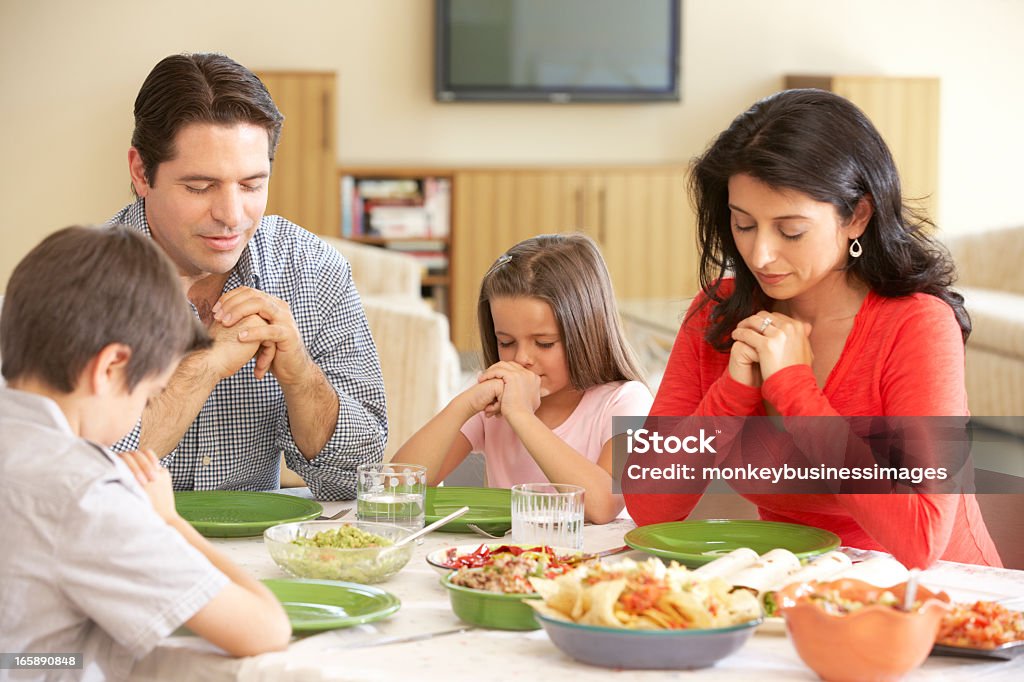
{"x": 831, "y": 600}
{"x": 981, "y": 625}
{"x": 507, "y": 568}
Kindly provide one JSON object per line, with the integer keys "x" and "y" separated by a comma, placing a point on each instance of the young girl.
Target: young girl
{"x": 558, "y": 370}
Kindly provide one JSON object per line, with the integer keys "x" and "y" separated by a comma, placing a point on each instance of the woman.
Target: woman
{"x": 839, "y": 305}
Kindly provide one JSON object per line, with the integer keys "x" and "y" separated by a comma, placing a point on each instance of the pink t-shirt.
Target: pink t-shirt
{"x": 587, "y": 429}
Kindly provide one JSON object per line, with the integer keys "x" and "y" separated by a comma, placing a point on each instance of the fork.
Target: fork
{"x": 335, "y": 516}
{"x": 480, "y": 531}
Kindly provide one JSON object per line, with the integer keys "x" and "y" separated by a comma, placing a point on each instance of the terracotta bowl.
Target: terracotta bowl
{"x": 872, "y": 643}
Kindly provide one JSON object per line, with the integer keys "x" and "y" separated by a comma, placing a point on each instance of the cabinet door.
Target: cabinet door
{"x": 489, "y": 217}
{"x": 906, "y": 113}
{"x": 304, "y": 187}
{"x": 640, "y": 219}
{"x": 646, "y": 231}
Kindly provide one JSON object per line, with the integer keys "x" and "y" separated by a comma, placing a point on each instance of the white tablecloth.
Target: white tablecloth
{"x": 490, "y": 655}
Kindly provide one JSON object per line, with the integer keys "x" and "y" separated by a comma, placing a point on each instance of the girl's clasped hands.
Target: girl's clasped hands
{"x": 508, "y": 389}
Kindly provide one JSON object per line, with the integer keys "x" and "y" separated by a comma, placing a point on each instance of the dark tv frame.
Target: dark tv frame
{"x": 554, "y": 95}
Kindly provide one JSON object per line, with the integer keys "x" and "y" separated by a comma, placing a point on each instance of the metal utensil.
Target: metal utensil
{"x": 598, "y": 555}
{"x": 402, "y": 639}
{"x": 335, "y": 516}
{"x": 432, "y": 527}
{"x": 480, "y": 531}
{"x": 908, "y": 596}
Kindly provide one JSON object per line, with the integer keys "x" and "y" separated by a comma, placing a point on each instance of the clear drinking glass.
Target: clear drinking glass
{"x": 391, "y": 493}
{"x": 548, "y": 514}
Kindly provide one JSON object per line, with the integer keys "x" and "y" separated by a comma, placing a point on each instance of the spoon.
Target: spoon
{"x": 432, "y": 527}
{"x": 908, "y": 596}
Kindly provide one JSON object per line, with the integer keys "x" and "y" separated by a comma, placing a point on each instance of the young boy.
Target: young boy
{"x": 95, "y": 558}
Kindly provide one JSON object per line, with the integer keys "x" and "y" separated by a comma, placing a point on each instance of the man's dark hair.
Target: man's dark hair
{"x": 84, "y": 288}
{"x": 198, "y": 88}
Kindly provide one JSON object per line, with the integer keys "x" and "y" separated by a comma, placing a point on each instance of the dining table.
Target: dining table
{"x": 424, "y": 640}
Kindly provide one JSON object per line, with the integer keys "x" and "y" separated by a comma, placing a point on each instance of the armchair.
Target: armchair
{"x": 992, "y": 283}
{"x": 419, "y": 362}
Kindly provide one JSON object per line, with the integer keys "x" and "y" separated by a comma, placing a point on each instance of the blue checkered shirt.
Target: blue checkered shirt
{"x": 236, "y": 441}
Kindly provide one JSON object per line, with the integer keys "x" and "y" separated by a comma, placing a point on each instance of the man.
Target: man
{"x": 293, "y": 367}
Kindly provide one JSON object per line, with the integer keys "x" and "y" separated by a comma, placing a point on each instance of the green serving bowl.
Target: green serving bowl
{"x": 495, "y": 610}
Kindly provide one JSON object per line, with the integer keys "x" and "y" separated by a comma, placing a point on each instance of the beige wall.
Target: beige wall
{"x": 69, "y": 71}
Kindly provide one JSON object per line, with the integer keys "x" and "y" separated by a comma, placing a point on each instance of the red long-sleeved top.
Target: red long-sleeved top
{"x": 904, "y": 357}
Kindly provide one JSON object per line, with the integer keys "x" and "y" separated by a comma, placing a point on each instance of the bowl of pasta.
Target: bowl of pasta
{"x": 647, "y": 615}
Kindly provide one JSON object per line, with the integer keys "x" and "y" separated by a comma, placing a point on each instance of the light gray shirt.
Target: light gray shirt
{"x": 86, "y": 565}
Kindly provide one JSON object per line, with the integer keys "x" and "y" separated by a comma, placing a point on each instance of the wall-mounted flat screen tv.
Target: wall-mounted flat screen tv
{"x": 557, "y": 50}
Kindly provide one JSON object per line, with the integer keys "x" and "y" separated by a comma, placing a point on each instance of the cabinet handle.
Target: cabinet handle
{"x": 579, "y": 209}
{"x": 601, "y": 212}
{"x": 325, "y": 130}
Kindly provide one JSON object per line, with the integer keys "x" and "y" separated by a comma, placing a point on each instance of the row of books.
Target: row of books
{"x": 395, "y": 208}
{"x": 432, "y": 255}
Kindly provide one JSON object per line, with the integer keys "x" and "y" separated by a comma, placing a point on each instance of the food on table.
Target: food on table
{"x": 343, "y": 537}
{"x": 509, "y": 568}
{"x": 769, "y": 573}
{"x": 832, "y": 600}
{"x": 883, "y": 571}
{"x": 771, "y": 569}
{"x": 485, "y": 555}
{"x": 824, "y": 567}
{"x": 357, "y": 552}
{"x": 981, "y": 625}
{"x": 732, "y": 562}
{"x": 646, "y": 595}
{"x": 847, "y": 629}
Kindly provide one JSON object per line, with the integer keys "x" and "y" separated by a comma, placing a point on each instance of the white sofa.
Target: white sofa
{"x": 991, "y": 269}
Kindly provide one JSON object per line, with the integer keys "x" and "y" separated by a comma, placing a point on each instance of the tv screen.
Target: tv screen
{"x": 557, "y": 50}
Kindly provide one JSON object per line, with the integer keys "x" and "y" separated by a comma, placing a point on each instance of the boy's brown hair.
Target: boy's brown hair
{"x": 567, "y": 272}
{"x": 83, "y": 288}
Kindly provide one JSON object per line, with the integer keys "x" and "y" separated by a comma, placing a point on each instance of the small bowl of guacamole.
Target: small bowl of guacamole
{"x": 353, "y": 551}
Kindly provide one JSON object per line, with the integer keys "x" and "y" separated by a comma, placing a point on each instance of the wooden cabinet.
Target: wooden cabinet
{"x": 906, "y": 113}
{"x": 303, "y": 186}
{"x": 638, "y": 215}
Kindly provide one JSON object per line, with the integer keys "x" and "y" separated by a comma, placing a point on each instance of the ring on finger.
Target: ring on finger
{"x": 765, "y": 323}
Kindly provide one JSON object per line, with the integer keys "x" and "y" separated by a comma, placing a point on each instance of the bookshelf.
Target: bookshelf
{"x": 638, "y": 215}
{"x": 406, "y": 210}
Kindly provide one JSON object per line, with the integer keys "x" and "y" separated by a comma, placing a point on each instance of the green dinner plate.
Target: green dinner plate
{"x": 315, "y": 605}
{"x": 489, "y": 508}
{"x": 695, "y": 543}
{"x": 236, "y": 513}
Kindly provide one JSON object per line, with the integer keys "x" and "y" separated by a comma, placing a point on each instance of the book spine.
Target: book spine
{"x": 347, "y": 191}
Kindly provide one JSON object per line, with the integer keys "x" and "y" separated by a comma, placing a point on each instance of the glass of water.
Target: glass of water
{"x": 391, "y": 493}
{"x": 548, "y": 514}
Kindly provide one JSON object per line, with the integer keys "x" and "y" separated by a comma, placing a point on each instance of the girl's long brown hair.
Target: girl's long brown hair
{"x": 568, "y": 273}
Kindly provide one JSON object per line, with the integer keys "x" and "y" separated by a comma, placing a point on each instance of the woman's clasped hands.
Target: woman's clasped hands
{"x": 765, "y": 343}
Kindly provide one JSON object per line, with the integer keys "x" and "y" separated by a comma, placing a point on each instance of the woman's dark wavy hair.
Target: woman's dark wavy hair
{"x": 820, "y": 144}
